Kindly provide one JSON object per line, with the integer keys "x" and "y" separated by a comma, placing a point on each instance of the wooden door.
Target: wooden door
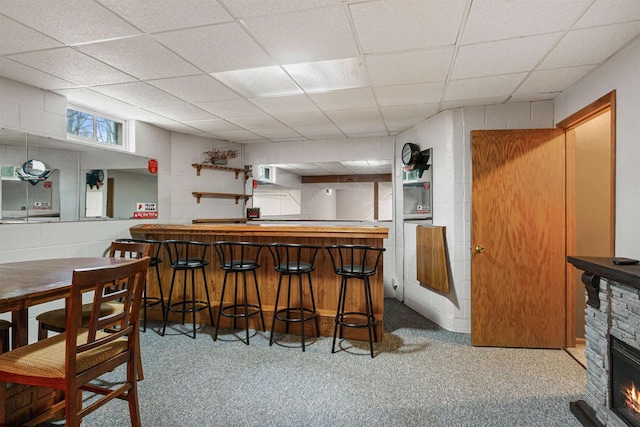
{"x": 518, "y": 238}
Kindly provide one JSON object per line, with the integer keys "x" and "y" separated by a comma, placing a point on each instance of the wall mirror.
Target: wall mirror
{"x": 65, "y": 194}
{"x": 358, "y": 190}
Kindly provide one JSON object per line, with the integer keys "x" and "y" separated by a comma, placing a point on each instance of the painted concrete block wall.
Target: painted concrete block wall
{"x": 187, "y": 150}
{"x": 448, "y": 133}
{"x": 619, "y": 73}
{"x": 29, "y": 109}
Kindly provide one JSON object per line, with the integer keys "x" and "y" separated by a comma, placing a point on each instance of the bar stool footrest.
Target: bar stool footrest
{"x": 309, "y": 314}
{"x": 340, "y": 319}
{"x": 200, "y": 305}
{"x": 252, "y": 310}
{"x": 151, "y": 301}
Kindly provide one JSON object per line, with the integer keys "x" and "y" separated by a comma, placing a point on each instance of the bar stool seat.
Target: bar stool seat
{"x": 292, "y": 259}
{"x": 154, "y": 253}
{"x": 4, "y": 335}
{"x": 187, "y": 256}
{"x": 239, "y": 258}
{"x": 355, "y": 262}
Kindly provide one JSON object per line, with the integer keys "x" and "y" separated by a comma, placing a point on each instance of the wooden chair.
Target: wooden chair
{"x": 71, "y": 360}
{"x": 55, "y": 320}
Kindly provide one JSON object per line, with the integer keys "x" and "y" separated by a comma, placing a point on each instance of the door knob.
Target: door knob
{"x": 479, "y": 249}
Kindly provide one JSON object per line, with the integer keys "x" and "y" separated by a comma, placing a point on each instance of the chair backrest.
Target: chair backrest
{"x": 292, "y": 257}
{"x": 185, "y": 254}
{"x": 120, "y": 249}
{"x": 104, "y": 329}
{"x": 155, "y": 247}
{"x": 355, "y": 260}
{"x": 238, "y": 256}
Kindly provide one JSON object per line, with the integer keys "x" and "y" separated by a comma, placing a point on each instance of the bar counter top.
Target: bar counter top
{"x": 325, "y": 282}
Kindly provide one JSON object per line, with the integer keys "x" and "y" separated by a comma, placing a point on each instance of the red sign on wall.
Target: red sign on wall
{"x": 153, "y": 166}
{"x": 145, "y": 214}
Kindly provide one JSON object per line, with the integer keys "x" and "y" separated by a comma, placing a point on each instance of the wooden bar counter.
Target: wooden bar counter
{"x": 325, "y": 282}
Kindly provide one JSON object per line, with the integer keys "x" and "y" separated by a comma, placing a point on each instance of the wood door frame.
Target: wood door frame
{"x": 607, "y": 102}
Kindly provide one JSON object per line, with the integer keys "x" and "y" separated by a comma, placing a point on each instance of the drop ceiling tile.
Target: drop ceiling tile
{"x": 69, "y": 21}
{"x": 422, "y": 93}
{"x": 216, "y": 48}
{"x": 498, "y": 19}
{"x": 533, "y": 97}
{"x": 409, "y": 112}
{"x": 181, "y": 112}
{"x": 604, "y": 12}
{"x": 364, "y": 131}
{"x": 27, "y": 75}
{"x": 320, "y": 132}
{"x": 173, "y": 14}
{"x": 195, "y": 88}
{"x": 277, "y": 133}
{"x": 483, "y": 87}
{"x": 233, "y": 108}
{"x": 409, "y": 67}
{"x": 304, "y": 37}
{"x": 252, "y": 8}
{"x": 258, "y": 122}
{"x": 142, "y": 115}
{"x": 354, "y": 119}
{"x": 347, "y": 99}
{"x": 329, "y": 75}
{"x": 555, "y": 80}
{"x": 138, "y": 93}
{"x": 213, "y": 126}
{"x": 94, "y": 100}
{"x": 285, "y": 104}
{"x": 71, "y": 65}
{"x": 386, "y": 26}
{"x": 181, "y": 128}
{"x": 472, "y": 103}
{"x": 590, "y": 45}
{"x": 263, "y": 81}
{"x": 502, "y": 57}
{"x": 142, "y": 57}
{"x": 295, "y": 120}
{"x": 18, "y": 38}
{"x": 241, "y": 135}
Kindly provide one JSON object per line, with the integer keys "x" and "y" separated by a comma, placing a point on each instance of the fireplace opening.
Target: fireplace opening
{"x": 625, "y": 382}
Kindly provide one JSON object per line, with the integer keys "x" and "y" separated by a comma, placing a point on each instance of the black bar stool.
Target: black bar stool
{"x": 154, "y": 252}
{"x": 238, "y": 258}
{"x": 355, "y": 262}
{"x": 292, "y": 259}
{"x": 187, "y": 256}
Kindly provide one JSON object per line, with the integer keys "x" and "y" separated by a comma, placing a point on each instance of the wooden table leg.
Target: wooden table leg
{"x": 20, "y": 328}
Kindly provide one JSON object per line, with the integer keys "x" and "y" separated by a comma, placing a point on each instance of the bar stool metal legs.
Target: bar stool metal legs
{"x": 187, "y": 256}
{"x": 239, "y": 258}
{"x": 355, "y": 262}
{"x": 294, "y": 260}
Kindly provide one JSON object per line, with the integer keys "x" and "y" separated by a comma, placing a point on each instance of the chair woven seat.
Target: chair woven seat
{"x": 46, "y": 358}
{"x": 57, "y": 318}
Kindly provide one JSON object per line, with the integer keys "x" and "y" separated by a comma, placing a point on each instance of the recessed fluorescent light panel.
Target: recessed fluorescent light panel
{"x": 324, "y": 76}
{"x": 256, "y": 82}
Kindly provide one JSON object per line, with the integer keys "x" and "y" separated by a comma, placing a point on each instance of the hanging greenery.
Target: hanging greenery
{"x": 216, "y": 156}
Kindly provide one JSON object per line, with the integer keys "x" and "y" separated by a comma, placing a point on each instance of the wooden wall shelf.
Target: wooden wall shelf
{"x": 199, "y": 194}
{"x": 432, "y": 258}
{"x": 218, "y": 220}
{"x": 200, "y": 166}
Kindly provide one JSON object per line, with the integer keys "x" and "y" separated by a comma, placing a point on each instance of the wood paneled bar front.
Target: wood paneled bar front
{"x": 325, "y": 282}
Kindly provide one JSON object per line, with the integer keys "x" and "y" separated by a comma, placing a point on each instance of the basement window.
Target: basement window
{"x": 89, "y": 126}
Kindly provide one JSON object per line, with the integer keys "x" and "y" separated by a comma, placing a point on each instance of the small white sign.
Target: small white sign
{"x": 145, "y": 207}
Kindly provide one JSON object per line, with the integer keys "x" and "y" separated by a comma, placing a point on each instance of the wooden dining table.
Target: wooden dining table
{"x": 28, "y": 283}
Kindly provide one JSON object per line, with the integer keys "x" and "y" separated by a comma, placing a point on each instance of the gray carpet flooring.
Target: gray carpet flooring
{"x": 422, "y": 375}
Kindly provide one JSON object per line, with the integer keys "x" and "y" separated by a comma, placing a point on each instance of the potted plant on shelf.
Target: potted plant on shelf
{"x": 218, "y": 157}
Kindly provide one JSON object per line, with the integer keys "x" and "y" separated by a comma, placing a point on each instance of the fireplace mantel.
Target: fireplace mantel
{"x": 596, "y": 267}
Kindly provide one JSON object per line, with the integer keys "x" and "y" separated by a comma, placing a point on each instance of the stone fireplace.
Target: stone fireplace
{"x": 612, "y": 336}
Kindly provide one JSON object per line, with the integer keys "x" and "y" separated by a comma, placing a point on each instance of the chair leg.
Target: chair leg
{"x": 313, "y": 305}
{"x": 139, "y": 357}
{"x": 168, "y": 307}
{"x": 132, "y": 394}
{"x": 338, "y": 311}
{"x": 275, "y": 310}
{"x": 42, "y": 331}
{"x": 255, "y": 280}
{"x": 367, "y": 303}
{"x": 184, "y": 295}
{"x": 73, "y": 406}
{"x": 301, "y": 308}
{"x": 246, "y": 307}
{"x": 224, "y": 286}
{"x": 193, "y": 301}
{"x": 206, "y": 291}
{"x": 286, "y": 329}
